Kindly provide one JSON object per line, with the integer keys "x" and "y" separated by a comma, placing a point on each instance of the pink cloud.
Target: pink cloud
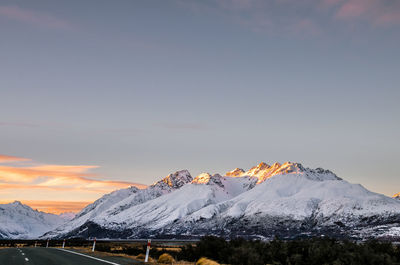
{"x": 354, "y": 8}
{"x": 294, "y": 17}
{"x": 377, "y": 12}
{"x": 390, "y": 17}
{"x": 33, "y": 17}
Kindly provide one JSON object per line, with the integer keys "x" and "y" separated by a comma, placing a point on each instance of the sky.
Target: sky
{"x": 100, "y": 95}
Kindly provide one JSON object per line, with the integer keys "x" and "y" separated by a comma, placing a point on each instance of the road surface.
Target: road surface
{"x": 52, "y": 256}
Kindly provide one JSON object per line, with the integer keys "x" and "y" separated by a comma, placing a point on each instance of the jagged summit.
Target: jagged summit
{"x": 175, "y": 180}
{"x": 207, "y": 178}
{"x": 264, "y": 171}
{"x": 237, "y": 172}
{"x": 19, "y": 205}
{"x": 202, "y": 178}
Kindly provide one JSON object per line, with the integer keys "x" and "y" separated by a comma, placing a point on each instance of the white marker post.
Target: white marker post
{"x": 147, "y": 250}
{"x": 35, "y": 243}
{"x": 47, "y": 245}
{"x": 94, "y": 244}
{"x": 63, "y": 244}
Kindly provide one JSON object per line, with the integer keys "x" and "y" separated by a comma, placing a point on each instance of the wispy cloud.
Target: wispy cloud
{"x": 271, "y": 16}
{"x": 7, "y": 159}
{"x": 298, "y": 17}
{"x": 59, "y": 177}
{"x": 377, "y": 12}
{"x": 43, "y": 178}
{"x": 36, "y": 18}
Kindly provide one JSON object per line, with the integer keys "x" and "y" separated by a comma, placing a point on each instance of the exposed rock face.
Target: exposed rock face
{"x": 176, "y": 180}
{"x": 237, "y": 172}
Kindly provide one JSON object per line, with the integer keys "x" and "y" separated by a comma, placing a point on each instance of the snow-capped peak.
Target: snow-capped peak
{"x": 21, "y": 221}
{"x": 206, "y": 178}
{"x": 202, "y": 178}
{"x": 15, "y": 203}
{"x": 175, "y": 180}
{"x": 264, "y": 171}
{"x": 122, "y": 200}
{"x": 18, "y": 204}
{"x": 237, "y": 172}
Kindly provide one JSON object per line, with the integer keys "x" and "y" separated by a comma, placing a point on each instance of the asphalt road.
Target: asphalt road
{"x": 48, "y": 256}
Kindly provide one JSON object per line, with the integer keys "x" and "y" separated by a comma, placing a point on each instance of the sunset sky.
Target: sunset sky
{"x": 100, "y": 95}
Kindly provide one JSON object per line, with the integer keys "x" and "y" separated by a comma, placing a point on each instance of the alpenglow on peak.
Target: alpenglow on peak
{"x": 264, "y": 171}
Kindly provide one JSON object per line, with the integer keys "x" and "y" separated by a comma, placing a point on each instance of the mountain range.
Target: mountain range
{"x": 285, "y": 200}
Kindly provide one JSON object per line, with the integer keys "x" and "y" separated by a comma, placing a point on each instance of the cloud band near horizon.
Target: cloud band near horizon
{"x": 52, "y": 183}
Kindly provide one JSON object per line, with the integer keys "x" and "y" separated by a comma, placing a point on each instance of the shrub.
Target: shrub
{"x": 166, "y": 259}
{"x": 205, "y": 261}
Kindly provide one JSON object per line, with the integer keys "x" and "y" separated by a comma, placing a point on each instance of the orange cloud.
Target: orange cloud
{"x": 39, "y": 182}
{"x": 7, "y": 159}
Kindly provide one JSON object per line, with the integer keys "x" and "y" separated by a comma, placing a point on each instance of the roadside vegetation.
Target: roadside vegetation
{"x": 315, "y": 251}
{"x": 214, "y": 250}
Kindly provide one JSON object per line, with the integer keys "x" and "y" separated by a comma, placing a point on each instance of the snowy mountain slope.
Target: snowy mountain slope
{"x": 164, "y": 186}
{"x": 94, "y": 209}
{"x": 67, "y": 215}
{"x": 123, "y": 199}
{"x": 284, "y": 200}
{"x": 297, "y": 201}
{"x": 300, "y": 195}
{"x": 21, "y": 221}
{"x": 203, "y": 191}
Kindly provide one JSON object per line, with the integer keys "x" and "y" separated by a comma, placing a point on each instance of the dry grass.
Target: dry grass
{"x": 205, "y": 261}
{"x": 117, "y": 248}
{"x": 174, "y": 249}
{"x": 166, "y": 259}
{"x": 100, "y": 253}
